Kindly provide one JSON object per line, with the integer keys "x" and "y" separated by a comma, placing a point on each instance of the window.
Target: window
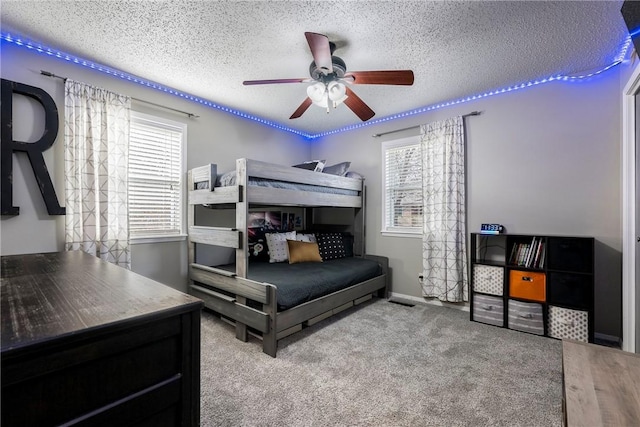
{"x": 155, "y": 176}
{"x": 402, "y": 186}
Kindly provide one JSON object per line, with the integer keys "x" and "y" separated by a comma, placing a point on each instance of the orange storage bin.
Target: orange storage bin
{"x": 528, "y": 285}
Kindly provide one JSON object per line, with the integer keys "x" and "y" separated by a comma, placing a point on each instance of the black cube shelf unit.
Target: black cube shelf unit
{"x": 533, "y": 283}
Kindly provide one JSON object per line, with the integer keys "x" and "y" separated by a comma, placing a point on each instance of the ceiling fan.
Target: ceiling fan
{"x": 330, "y": 75}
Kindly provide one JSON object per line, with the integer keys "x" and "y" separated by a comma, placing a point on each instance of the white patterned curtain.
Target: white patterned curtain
{"x": 444, "y": 253}
{"x": 96, "y": 134}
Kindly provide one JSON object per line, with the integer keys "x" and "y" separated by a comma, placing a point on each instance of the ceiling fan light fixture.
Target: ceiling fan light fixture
{"x": 317, "y": 92}
{"x": 337, "y": 93}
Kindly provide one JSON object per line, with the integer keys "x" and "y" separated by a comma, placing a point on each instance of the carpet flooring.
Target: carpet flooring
{"x": 383, "y": 364}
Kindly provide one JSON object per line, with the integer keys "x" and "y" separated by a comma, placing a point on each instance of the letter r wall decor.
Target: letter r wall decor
{"x": 33, "y": 149}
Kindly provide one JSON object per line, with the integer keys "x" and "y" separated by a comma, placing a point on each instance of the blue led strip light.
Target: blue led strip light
{"x": 39, "y": 48}
{"x": 617, "y": 60}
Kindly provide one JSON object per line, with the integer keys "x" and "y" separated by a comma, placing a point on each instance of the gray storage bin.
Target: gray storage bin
{"x": 487, "y": 309}
{"x": 525, "y": 317}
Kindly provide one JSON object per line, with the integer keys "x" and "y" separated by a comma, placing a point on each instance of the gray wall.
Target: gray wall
{"x": 213, "y": 137}
{"x": 542, "y": 160}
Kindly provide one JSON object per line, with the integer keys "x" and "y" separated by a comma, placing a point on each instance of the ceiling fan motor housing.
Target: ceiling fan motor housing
{"x": 339, "y": 69}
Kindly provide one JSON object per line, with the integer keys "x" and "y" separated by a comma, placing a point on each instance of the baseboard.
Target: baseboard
{"x": 607, "y": 340}
{"x": 429, "y": 301}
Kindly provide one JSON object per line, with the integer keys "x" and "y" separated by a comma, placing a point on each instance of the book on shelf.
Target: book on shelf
{"x": 525, "y": 253}
{"x": 527, "y": 262}
{"x": 538, "y": 260}
{"x": 518, "y": 258}
{"x": 534, "y": 246}
{"x": 513, "y": 255}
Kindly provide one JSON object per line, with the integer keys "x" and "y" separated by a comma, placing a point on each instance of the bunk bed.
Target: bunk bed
{"x": 241, "y": 293}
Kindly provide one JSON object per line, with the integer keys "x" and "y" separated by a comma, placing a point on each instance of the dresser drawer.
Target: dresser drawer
{"x": 529, "y": 285}
{"x": 487, "y": 309}
{"x": 525, "y": 317}
{"x": 488, "y": 279}
{"x": 567, "y": 323}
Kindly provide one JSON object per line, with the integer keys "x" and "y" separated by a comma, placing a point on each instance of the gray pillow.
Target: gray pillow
{"x": 354, "y": 175}
{"x": 228, "y": 179}
{"x": 339, "y": 169}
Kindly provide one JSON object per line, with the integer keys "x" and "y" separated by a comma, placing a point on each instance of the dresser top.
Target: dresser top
{"x": 64, "y": 294}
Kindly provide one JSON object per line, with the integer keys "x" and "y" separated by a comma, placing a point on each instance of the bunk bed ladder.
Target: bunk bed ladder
{"x": 242, "y": 212}
{"x": 270, "y": 339}
{"x": 359, "y": 227}
{"x": 191, "y": 209}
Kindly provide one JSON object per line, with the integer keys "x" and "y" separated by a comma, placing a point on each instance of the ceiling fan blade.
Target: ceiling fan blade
{"x": 268, "y": 82}
{"x": 302, "y": 108}
{"x": 358, "y": 106}
{"x": 392, "y": 77}
{"x": 321, "y": 51}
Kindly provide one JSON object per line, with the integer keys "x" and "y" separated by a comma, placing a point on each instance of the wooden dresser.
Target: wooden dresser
{"x": 87, "y": 343}
{"x": 601, "y": 385}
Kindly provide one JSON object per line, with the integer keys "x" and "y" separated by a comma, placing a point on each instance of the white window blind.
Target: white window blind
{"x": 155, "y": 176}
{"x": 402, "y": 186}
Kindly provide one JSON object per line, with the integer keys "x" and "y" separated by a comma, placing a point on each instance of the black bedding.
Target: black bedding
{"x": 302, "y": 282}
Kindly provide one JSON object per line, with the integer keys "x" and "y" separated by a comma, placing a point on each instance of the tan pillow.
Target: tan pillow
{"x": 303, "y": 252}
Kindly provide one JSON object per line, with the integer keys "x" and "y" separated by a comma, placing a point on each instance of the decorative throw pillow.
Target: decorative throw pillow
{"x": 257, "y": 244}
{"x": 277, "y": 244}
{"x": 339, "y": 169}
{"x": 302, "y": 237}
{"x": 356, "y": 175}
{"x": 303, "y": 252}
{"x": 312, "y": 165}
{"x": 331, "y": 246}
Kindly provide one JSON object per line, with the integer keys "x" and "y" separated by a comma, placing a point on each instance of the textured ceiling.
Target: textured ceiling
{"x": 207, "y": 48}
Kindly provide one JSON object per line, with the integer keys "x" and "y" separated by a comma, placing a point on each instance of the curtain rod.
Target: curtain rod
{"x": 376, "y": 135}
{"x": 191, "y": 115}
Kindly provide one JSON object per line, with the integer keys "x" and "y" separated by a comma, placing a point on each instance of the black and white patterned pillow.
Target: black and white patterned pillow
{"x": 312, "y": 165}
{"x": 331, "y": 246}
{"x": 258, "y": 250}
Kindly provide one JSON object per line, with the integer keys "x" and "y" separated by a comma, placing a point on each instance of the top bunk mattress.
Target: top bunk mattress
{"x": 229, "y": 179}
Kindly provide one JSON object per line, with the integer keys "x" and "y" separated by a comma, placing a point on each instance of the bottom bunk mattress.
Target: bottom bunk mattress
{"x": 306, "y": 281}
